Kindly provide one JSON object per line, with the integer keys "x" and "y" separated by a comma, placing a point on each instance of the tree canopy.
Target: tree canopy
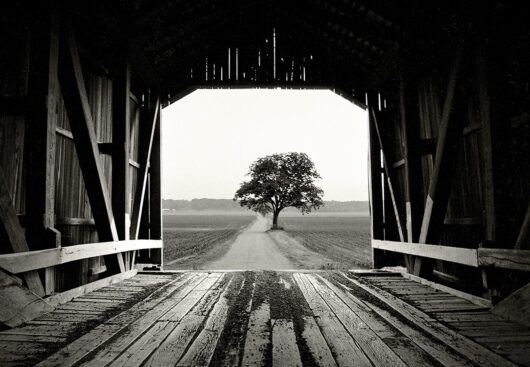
{"x": 279, "y": 181}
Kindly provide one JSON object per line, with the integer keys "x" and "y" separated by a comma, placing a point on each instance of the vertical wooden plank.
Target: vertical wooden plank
{"x": 155, "y": 189}
{"x": 409, "y": 112}
{"x": 374, "y": 185}
{"x": 486, "y": 143}
{"x": 121, "y": 126}
{"x": 76, "y": 103}
{"x": 40, "y": 127}
{"x": 409, "y": 115}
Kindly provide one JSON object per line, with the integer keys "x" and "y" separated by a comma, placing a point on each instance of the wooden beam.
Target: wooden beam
{"x": 134, "y": 164}
{"x": 504, "y": 258}
{"x": 65, "y": 133}
{"x": 375, "y": 186}
{"x": 409, "y": 116}
{"x": 82, "y": 125}
{"x": 18, "y": 304}
{"x": 488, "y": 192}
{"x": 32, "y": 260}
{"x": 481, "y": 257}
{"x": 456, "y": 255}
{"x": 388, "y": 175}
{"x": 66, "y": 221}
{"x": 15, "y": 234}
{"x": 155, "y": 190}
{"x": 148, "y": 123}
{"x": 398, "y": 164}
{"x": 121, "y": 129}
{"x": 41, "y": 122}
{"x": 448, "y": 143}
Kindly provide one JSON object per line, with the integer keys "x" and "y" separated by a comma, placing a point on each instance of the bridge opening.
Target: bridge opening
{"x": 209, "y": 140}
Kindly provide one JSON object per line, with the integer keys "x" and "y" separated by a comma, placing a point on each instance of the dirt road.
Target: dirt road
{"x": 253, "y": 249}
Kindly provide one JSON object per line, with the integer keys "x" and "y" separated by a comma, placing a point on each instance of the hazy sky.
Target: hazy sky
{"x": 211, "y": 137}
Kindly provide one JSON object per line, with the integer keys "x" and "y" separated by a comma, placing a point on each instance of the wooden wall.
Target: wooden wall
{"x": 72, "y": 213}
{"x": 487, "y": 173}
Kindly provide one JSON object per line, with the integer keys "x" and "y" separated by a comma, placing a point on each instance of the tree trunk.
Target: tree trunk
{"x": 275, "y": 219}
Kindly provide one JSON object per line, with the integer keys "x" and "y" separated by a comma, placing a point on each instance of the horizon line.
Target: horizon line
{"x": 203, "y": 198}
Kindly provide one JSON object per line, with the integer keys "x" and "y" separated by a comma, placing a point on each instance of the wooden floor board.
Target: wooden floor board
{"x": 379, "y": 353}
{"x": 389, "y": 332}
{"x": 86, "y": 344}
{"x": 241, "y": 319}
{"x": 201, "y": 350}
{"x": 177, "y": 341}
{"x": 132, "y": 331}
{"x": 467, "y": 347}
{"x": 342, "y": 345}
{"x": 284, "y": 348}
{"x": 258, "y": 336}
{"x": 317, "y": 344}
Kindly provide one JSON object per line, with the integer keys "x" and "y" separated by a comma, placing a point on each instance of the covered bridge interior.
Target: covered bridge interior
{"x": 445, "y": 84}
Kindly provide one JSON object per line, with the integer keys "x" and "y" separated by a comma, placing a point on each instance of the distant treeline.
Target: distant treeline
{"x": 230, "y": 205}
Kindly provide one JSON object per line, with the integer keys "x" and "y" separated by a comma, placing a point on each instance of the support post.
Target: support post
{"x": 409, "y": 115}
{"x": 489, "y": 223}
{"x": 40, "y": 136}
{"x": 375, "y": 186}
{"x": 40, "y": 133}
{"x": 155, "y": 189}
{"x": 121, "y": 127}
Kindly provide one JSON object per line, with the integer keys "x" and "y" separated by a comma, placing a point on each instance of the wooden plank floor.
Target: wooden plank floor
{"x": 267, "y": 318}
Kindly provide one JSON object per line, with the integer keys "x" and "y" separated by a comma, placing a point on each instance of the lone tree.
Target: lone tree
{"x": 279, "y": 181}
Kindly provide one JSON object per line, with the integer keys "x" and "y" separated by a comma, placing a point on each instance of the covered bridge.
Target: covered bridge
{"x": 446, "y": 88}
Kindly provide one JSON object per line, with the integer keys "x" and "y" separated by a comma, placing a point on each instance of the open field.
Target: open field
{"x": 315, "y": 241}
{"x": 343, "y": 239}
{"x": 190, "y": 240}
